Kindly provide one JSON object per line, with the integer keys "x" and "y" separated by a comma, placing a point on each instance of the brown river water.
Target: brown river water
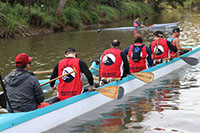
{"x": 169, "y": 104}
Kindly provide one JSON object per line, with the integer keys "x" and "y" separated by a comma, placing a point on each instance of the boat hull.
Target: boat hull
{"x": 58, "y": 113}
{"x": 154, "y": 26}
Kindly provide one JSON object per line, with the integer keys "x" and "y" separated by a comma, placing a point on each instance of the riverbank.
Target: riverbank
{"x": 22, "y": 21}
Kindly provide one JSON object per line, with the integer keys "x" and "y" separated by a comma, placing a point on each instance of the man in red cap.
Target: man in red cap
{"x": 23, "y": 89}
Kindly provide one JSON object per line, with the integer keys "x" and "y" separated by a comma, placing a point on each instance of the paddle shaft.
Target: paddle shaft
{"x": 5, "y": 94}
{"x": 58, "y": 77}
{"x": 143, "y": 76}
{"x": 156, "y": 48}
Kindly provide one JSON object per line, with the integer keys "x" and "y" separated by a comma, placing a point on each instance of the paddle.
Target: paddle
{"x": 143, "y": 76}
{"x": 42, "y": 72}
{"x": 190, "y": 60}
{"x": 5, "y": 95}
{"x": 114, "y": 92}
{"x": 159, "y": 36}
{"x": 74, "y": 70}
{"x": 2, "y": 100}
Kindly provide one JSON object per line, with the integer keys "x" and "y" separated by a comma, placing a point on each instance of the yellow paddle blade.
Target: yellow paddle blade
{"x": 114, "y": 92}
{"x": 144, "y": 76}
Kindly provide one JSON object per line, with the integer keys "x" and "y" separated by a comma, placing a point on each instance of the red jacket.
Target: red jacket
{"x": 162, "y": 49}
{"x": 142, "y": 63}
{"x": 111, "y": 64}
{"x": 69, "y": 85}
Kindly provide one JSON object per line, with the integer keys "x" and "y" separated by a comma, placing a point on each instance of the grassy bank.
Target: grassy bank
{"x": 18, "y": 20}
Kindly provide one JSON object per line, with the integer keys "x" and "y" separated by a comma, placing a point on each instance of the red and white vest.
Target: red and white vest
{"x": 111, "y": 64}
{"x": 162, "y": 49}
{"x": 69, "y": 85}
{"x": 142, "y": 63}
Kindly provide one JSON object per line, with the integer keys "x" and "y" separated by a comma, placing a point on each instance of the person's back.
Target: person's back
{"x": 112, "y": 63}
{"x": 71, "y": 84}
{"x": 139, "y": 55}
{"x": 23, "y": 89}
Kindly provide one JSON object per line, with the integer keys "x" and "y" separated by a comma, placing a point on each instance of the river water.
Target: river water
{"x": 170, "y": 104}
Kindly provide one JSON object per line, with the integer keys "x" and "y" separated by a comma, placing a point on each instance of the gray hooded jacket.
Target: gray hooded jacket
{"x": 23, "y": 90}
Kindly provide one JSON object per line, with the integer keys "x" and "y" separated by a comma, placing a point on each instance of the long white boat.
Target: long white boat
{"x": 154, "y": 26}
{"x": 53, "y": 115}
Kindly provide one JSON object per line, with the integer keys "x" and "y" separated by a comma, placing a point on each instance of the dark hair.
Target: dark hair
{"x": 137, "y": 16}
{"x": 115, "y": 43}
{"x": 138, "y": 38}
{"x": 70, "y": 50}
{"x": 21, "y": 66}
{"x": 158, "y": 33}
{"x": 176, "y": 30}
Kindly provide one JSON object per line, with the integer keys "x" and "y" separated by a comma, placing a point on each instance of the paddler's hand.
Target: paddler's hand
{"x": 53, "y": 88}
{"x": 91, "y": 88}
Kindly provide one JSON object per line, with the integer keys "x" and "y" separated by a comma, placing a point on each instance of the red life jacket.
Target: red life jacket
{"x": 69, "y": 85}
{"x": 142, "y": 63}
{"x": 162, "y": 49}
{"x": 172, "y": 54}
{"x": 111, "y": 64}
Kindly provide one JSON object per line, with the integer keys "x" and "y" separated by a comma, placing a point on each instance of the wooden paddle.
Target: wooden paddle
{"x": 143, "y": 76}
{"x": 114, "y": 92}
{"x": 74, "y": 70}
{"x": 5, "y": 95}
{"x": 42, "y": 72}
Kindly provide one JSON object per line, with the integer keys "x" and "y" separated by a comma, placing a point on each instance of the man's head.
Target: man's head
{"x": 70, "y": 52}
{"x": 115, "y": 44}
{"x": 22, "y": 61}
{"x": 138, "y": 38}
{"x": 176, "y": 32}
{"x": 158, "y": 34}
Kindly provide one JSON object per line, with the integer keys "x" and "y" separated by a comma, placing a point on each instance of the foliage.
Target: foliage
{"x": 108, "y": 13}
{"x": 13, "y": 21}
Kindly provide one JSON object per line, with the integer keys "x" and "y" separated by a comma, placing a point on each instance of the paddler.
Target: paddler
{"x": 23, "y": 89}
{"x": 160, "y": 48}
{"x": 174, "y": 39}
{"x": 137, "y": 23}
{"x": 71, "y": 85}
{"x": 114, "y": 64}
{"x": 139, "y": 55}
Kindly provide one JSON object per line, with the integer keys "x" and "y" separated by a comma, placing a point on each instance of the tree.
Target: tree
{"x": 60, "y": 8}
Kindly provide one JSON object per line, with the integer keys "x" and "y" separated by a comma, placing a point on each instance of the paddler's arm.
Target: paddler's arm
{"x": 84, "y": 69}
{"x": 172, "y": 47}
{"x": 126, "y": 50}
{"x": 177, "y": 42}
{"x": 125, "y": 65}
{"x": 149, "y": 58}
{"x": 54, "y": 75}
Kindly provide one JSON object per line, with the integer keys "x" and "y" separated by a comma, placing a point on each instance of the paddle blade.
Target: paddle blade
{"x": 114, "y": 92}
{"x": 144, "y": 76}
{"x": 190, "y": 60}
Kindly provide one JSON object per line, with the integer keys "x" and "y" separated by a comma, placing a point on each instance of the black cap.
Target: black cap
{"x": 115, "y": 43}
{"x": 176, "y": 30}
{"x": 70, "y": 49}
{"x": 158, "y": 33}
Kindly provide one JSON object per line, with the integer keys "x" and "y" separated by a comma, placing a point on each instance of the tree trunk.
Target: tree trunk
{"x": 60, "y": 8}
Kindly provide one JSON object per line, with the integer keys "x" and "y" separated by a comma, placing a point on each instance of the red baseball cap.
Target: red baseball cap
{"x": 22, "y": 59}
